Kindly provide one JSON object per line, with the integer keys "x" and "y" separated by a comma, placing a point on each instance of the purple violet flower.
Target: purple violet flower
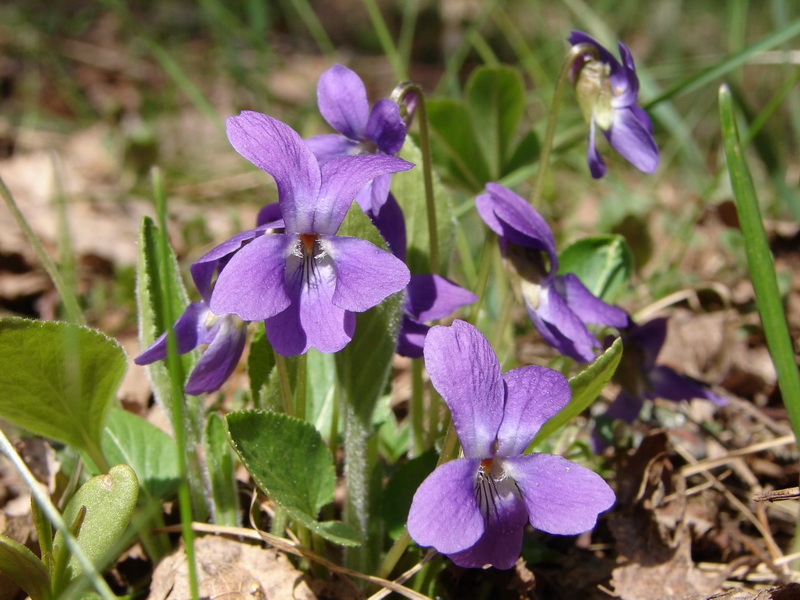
{"x": 559, "y": 305}
{"x": 223, "y": 337}
{"x": 428, "y": 297}
{"x": 474, "y": 509}
{"x": 342, "y": 100}
{"x": 640, "y": 378}
{"x": 307, "y": 283}
{"x": 607, "y": 93}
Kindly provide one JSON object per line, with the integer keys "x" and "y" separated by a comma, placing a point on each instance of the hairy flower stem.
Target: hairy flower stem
{"x": 300, "y": 387}
{"x": 71, "y": 307}
{"x": 184, "y": 445}
{"x": 417, "y": 409}
{"x": 283, "y": 384}
{"x": 398, "y": 94}
{"x": 487, "y": 252}
{"x": 449, "y": 449}
{"x": 547, "y": 146}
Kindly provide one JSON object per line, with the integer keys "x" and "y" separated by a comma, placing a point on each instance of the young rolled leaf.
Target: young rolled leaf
{"x": 58, "y": 380}
{"x": 289, "y": 461}
{"x": 603, "y": 263}
{"x": 129, "y": 439}
{"x": 455, "y": 138}
{"x": 586, "y": 386}
{"x": 109, "y": 501}
{"x": 151, "y": 309}
{"x": 24, "y": 568}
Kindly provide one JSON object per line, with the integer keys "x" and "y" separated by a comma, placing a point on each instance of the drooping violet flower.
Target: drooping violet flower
{"x": 222, "y": 336}
{"x": 607, "y": 92}
{"x": 428, "y": 297}
{"x": 307, "y": 283}
{"x": 342, "y": 100}
{"x": 560, "y": 306}
{"x": 640, "y": 378}
{"x": 474, "y": 509}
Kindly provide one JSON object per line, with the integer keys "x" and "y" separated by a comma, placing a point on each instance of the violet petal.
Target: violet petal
{"x": 311, "y": 320}
{"x": 270, "y": 217}
{"x": 220, "y": 358}
{"x": 465, "y": 371}
{"x": 671, "y": 385}
{"x": 444, "y": 512}
{"x": 411, "y": 337}
{"x": 632, "y": 139}
{"x": 505, "y": 515}
{"x": 328, "y": 146}
{"x": 649, "y": 337}
{"x": 342, "y": 178}
{"x": 251, "y": 284}
{"x": 342, "y": 101}
{"x": 588, "y": 307}
{"x": 511, "y": 217}
{"x": 386, "y": 127}
{"x": 365, "y": 274}
{"x": 391, "y": 224}
{"x": 533, "y": 395}
{"x": 561, "y": 497}
{"x": 277, "y": 149}
{"x": 188, "y": 329}
{"x": 597, "y": 166}
{"x": 204, "y": 268}
{"x": 430, "y": 296}
{"x": 560, "y": 327}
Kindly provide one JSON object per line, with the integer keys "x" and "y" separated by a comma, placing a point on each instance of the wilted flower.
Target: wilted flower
{"x": 559, "y": 305}
{"x": 474, "y": 509}
{"x": 607, "y": 93}
{"x": 342, "y": 100}
{"x": 222, "y": 338}
{"x": 428, "y": 297}
{"x": 640, "y": 378}
{"x": 307, "y": 283}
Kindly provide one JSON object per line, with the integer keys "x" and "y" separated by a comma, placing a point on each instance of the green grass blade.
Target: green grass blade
{"x": 724, "y": 67}
{"x": 759, "y": 261}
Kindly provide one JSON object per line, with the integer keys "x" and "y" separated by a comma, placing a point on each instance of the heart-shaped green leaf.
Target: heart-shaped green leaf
{"x": 288, "y": 459}
{"x": 457, "y": 143}
{"x": 603, "y": 263}
{"x": 58, "y": 379}
{"x": 496, "y": 98}
{"x": 129, "y": 439}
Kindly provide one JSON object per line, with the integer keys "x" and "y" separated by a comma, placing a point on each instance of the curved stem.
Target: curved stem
{"x": 398, "y": 95}
{"x": 547, "y": 146}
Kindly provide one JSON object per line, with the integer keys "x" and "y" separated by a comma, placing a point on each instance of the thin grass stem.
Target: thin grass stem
{"x": 71, "y": 307}
{"x": 760, "y": 265}
{"x": 176, "y": 380}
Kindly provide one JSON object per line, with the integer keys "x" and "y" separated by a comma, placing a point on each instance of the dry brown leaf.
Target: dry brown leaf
{"x": 230, "y": 570}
